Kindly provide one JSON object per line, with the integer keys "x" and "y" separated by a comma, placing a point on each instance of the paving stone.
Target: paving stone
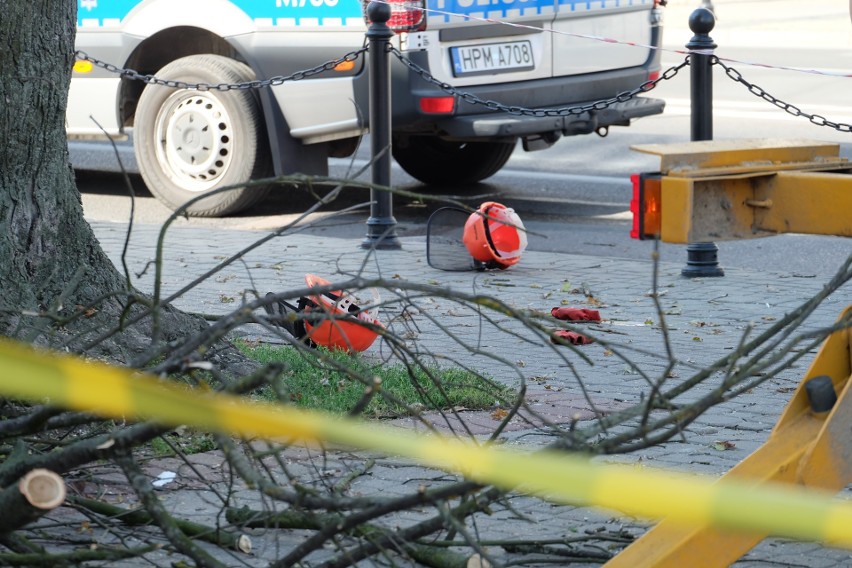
{"x": 705, "y": 319}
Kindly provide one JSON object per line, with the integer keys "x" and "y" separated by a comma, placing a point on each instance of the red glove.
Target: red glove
{"x": 576, "y": 314}
{"x": 571, "y": 337}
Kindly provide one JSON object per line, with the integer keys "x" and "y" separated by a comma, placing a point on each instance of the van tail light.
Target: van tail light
{"x": 438, "y": 105}
{"x": 406, "y": 15}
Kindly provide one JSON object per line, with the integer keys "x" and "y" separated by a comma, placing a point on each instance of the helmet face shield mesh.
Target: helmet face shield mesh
{"x": 445, "y": 249}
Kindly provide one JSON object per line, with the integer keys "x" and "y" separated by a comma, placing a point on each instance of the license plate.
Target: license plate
{"x": 492, "y": 58}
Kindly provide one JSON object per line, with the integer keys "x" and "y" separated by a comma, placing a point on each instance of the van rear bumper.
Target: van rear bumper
{"x": 501, "y": 124}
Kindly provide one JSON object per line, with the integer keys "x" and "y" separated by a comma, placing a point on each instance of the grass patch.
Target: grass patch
{"x": 325, "y": 380}
{"x": 186, "y": 440}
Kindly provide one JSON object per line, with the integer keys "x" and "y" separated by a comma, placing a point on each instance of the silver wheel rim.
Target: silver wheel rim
{"x": 195, "y": 140}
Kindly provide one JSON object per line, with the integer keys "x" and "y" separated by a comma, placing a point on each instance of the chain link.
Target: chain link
{"x": 256, "y": 84}
{"x": 757, "y": 91}
{"x": 537, "y": 112}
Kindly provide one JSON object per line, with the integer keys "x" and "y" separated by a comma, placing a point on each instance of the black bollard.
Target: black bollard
{"x": 381, "y": 226}
{"x": 701, "y": 258}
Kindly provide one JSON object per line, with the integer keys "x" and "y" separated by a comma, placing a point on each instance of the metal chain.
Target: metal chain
{"x": 470, "y": 98}
{"x": 256, "y": 84}
{"x": 817, "y": 119}
{"x": 542, "y": 112}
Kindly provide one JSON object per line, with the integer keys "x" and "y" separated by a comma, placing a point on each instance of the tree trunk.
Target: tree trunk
{"x": 53, "y": 267}
{"x": 49, "y": 250}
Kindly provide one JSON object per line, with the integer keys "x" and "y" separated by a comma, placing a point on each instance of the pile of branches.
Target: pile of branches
{"x": 107, "y": 491}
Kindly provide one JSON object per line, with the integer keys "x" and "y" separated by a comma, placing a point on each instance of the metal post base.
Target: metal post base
{"x": 702, "y": 261}
{"x": 381, "y": 235}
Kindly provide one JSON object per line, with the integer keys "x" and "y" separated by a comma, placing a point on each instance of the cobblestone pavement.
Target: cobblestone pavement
{"x": 706, "y": 319}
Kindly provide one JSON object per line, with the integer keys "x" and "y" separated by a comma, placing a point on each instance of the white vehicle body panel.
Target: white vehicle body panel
{"x": 319, "y": 110}
{"x": 512, "y": 55}
{"x": 92, "y": 103}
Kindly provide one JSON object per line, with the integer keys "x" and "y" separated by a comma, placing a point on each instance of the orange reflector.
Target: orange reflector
{"x": 646, "y": 206}
{"x": 345, "y": 66}
{"x": 81, "y": 66}
{"x": 438, "y": 105}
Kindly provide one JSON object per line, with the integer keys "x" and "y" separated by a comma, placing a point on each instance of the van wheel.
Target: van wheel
{"x": 190, "y": 143}
{"x": 436, "y": 161}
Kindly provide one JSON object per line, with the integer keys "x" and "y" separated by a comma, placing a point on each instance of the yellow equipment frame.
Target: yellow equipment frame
{"x": 719, "y": 190}
{"x": 724, "y": 190}
{"x": 805, "y": 448}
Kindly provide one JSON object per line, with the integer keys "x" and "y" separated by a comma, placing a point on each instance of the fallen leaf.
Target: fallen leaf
{"x": 499, "y": 414}
{"x": 87, "y": 312}
{"x": 722, "y": 445}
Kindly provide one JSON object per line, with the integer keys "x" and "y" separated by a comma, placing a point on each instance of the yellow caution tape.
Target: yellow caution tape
{"x": 645, "y": 492}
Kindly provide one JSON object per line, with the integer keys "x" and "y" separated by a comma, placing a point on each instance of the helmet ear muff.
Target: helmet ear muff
{"x": 487, "y": 229}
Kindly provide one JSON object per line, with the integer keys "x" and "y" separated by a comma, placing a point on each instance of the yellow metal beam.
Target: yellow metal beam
{"x": 730, "y": 156}
{"x": 804, "y": 448}
{"x": 815, "y": 203}
{"x": 747, "y": 206}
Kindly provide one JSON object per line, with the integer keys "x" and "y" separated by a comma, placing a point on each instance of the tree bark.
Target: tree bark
{"x": 53, "y": 267}
{"x": 44, "y": 239}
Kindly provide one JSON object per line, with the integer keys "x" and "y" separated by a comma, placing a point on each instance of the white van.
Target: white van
{"x": 192, "y": 141}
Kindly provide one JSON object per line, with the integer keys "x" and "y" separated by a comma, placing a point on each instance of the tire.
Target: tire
{"x": 189, "y": 143}
{"x": 435, "y": 161}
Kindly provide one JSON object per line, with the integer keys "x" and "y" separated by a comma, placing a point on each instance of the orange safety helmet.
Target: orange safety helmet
{"x": 342, "y": 325}
{"x": 495, "y": 235}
